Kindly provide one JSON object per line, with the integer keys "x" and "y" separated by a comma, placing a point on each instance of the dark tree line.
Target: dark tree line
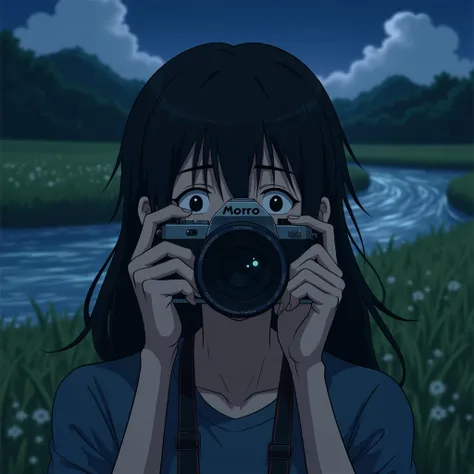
{"x": 73, "y": 96}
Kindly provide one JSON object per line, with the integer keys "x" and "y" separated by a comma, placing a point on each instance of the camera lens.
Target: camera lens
{"x": 242, "y": 270}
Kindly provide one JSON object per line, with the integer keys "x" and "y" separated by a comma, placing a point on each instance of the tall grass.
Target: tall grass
{"x": 427, "y": 280}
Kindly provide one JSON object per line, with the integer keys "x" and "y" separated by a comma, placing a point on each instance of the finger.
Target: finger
{"x": 307, "y": 276}
{"x": 152, "y": 221}
{"x": 159, "y": 252}
{"x": 321, "y": 255}
{"x": 171, "y": 267}
{"x": 326, "y": 230}
{"x": 319, "y": 270}
{"x": 318, "y": 297}
{"x": 168, "y": 289}
{"x": 283, "y": 303}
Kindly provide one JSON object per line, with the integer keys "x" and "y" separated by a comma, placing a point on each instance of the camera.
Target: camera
{"x": 242, "y": 256}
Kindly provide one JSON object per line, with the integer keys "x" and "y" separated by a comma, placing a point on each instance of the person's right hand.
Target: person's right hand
{"x": 154, "y": 293}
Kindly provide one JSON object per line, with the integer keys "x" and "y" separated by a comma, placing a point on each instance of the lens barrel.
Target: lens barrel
{"x": 241, "y": 270}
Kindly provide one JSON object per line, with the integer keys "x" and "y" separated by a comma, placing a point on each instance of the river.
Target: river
{"x": 57, "y": 265}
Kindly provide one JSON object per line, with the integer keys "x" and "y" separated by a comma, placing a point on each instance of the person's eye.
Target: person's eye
{"x": 277, "y": 202}
{"x": 196, "y": 200}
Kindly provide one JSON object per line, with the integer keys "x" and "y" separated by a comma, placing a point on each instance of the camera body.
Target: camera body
{"x": 242, "y": 256}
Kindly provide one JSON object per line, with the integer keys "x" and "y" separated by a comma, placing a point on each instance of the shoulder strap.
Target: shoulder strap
{"x": 188, "y": 438}
{"x": 279, "y": 450}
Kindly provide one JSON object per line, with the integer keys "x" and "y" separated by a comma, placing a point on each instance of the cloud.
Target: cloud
{"x": 413, "y": 47}
{"x": 98, "y": 27}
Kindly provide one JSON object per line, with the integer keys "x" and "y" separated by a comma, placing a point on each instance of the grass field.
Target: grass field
{"x": 61, "y": 183}
{"x": 460, "y": 193}
{"x": 428, "y": 280}
{"x": 449, "y": 156}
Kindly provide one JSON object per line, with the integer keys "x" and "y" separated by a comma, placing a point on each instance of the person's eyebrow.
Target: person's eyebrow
{"x": 272, "y": 168}
{"x": 196, "y": 168}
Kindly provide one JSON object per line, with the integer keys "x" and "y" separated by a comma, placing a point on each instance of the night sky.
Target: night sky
{"x": 327, "y": 36}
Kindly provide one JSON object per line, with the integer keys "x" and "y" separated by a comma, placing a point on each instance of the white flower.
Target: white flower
{"x": 451, "y": 409}
{"x": 427, "y": 289}
{"x": 33, "y": 460}
{"x": 50, "y": 184}
{"x": 14, "y": 432}
{"x": 468, "y": 417}
{"x": 409, "y": 283}
{"x": 454, "y": 285}
{"x": 430, "y": 361}
{"x": 455, "y": 396}
{"x": 387, "y": 357}
{"x": 437, "y": 388}
{"x": 438, "y": 353}
{"x": 391, "y": 279}
{"x": 428, "y": 272}
{"x": 31, "y": 176}
{"x": 38, "y": 439}
{"x": 15, "y": 405}
{"x": 41, "y": 416}
{"x": 410, "y": 308}
{"x": 438, "y": 413}
{"x": 418, "y": 296}
{"x": 21, "y": 415}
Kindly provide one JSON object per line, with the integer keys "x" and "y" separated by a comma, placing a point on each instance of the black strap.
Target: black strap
{"x": 279, "y": 450}
{"x": 188, "y": 438}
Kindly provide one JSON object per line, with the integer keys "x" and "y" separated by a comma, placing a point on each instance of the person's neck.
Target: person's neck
{"x": 236, "y": 359}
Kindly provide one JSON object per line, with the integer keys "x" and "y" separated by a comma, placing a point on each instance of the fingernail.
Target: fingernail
{"x": 292, "y": 217}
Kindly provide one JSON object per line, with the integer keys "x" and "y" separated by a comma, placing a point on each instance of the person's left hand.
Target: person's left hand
{"x": 303, "y": 328}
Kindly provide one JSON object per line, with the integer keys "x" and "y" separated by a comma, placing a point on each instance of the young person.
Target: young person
{"x": 215, "y": 123}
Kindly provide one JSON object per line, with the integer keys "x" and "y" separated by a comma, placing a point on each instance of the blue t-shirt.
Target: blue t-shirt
{"x": 93, "y": 403}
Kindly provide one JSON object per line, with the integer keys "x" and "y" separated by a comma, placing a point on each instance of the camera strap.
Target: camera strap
{"x": 188, "y": 442}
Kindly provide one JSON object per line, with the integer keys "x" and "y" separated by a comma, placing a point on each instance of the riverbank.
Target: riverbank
{"x": 427, "y": 280}
{"x": 424, "y": 156}
{"x": 48, "y": 184}
{"x": 460, "y": 193}
{"x": 452, "y": 157}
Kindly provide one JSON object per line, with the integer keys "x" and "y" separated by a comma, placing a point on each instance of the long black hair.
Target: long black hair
{"x": 228, "y": 101}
